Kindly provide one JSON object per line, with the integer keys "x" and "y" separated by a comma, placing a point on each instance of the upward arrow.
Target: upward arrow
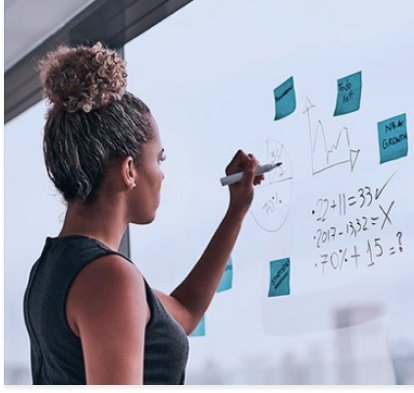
{"x": 308, "y": 105}
{"x": 353, "y": 156}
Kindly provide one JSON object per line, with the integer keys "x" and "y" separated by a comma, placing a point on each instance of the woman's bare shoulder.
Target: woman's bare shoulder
{"x": 100, "y": 285}
{"x": 111, "y": 311}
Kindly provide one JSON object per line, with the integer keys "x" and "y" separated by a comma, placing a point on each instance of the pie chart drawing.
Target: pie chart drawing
{"x": 272, "y": 198}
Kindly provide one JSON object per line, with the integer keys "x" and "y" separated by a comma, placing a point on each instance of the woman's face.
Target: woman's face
{"x": 147, "y": 193}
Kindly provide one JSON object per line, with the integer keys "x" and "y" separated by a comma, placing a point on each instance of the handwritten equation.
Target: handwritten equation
{"x": 365, "y": 218}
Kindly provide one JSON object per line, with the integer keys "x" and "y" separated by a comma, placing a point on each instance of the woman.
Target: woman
{"x": 91, "y": 316}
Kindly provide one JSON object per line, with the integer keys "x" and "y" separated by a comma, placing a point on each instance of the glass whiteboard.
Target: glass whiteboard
{"x": 340, "y": 217}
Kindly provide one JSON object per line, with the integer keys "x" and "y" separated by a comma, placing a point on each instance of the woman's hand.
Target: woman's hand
{"x": 241, "y": 193}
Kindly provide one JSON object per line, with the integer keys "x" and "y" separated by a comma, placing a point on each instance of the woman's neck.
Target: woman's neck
{"x": 103, "y": 223}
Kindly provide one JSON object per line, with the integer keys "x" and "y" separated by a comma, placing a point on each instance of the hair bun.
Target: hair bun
{"x": 83, "y": 77}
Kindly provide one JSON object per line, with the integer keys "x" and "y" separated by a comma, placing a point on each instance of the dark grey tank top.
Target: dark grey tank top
{"x": 56, "y": 352}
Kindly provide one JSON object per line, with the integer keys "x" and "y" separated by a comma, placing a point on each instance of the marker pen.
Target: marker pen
{"x": 236, "y": 177}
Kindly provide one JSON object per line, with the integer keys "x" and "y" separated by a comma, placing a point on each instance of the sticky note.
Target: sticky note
{"x": 393, "y": 139}
{"x": 227, "y": 278}
{"x": 285, "y": 99}
{"x": 349, "y": 94}
{"x": 279, "y": 277}
{"x": 200, "y": 329}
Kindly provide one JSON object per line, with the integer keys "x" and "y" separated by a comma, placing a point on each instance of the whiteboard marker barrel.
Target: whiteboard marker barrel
{"x": 236, "y": 177}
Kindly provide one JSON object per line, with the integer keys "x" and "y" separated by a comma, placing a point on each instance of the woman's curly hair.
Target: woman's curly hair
{"x": 82, "y": 78}
{"x": 91, "y": 121}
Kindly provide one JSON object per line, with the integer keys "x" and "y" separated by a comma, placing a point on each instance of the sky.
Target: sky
{"x": 208, "y": 74}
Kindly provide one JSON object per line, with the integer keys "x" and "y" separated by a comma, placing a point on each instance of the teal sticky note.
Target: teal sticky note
{"x": 227, "y": 278}
{"x": 393, "y": 139}
{"x": 285, "y": 99}
{"x": 279, "y": 277}
{"x": 349, "y": 94}
{"x": 200, "y": 330}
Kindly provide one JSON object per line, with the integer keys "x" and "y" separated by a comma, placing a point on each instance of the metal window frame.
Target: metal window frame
{"x": 114, "y": 22}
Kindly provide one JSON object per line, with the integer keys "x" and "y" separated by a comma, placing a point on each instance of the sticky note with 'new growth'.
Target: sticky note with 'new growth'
{"x": 285, "y": 99}
{"x": 349, "y": 94}
{"x": 279, "y": 277}
{"x": 393, "y": 139}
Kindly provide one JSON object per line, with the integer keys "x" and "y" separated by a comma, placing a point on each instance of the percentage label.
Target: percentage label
{"x": 337, "y": 259}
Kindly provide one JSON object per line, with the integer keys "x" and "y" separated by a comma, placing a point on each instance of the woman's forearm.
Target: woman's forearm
{"x": 198, "y": 288}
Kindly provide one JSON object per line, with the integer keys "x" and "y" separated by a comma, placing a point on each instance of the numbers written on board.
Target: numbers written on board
{"x": 271, "y": 205}
{"x": 355, "y": 227}
{"x": 342, "y": 203}
{"x": 363, "y": 216}
{"x": 374, "y": 250}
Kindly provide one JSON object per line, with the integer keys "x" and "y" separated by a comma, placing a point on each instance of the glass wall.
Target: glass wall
{"x": 208, "y": 73}
{"x": 32, "y": 212}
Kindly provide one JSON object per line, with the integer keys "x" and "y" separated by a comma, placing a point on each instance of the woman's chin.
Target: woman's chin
{"x": 148, "y": 220}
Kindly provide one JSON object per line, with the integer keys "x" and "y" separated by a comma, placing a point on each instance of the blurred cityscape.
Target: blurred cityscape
{"x": 288, "y": 370}
{"x": 314, "y": 369}
{"x": 359, "y": 356}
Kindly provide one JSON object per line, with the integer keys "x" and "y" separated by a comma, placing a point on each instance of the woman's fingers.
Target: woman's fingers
{"x": 242, "y": 161}
{"x": 258, "y": 180}
{"x": 249, "y": 178}
{"x": 249, "y": 174}
{"x": 238, "y": 163}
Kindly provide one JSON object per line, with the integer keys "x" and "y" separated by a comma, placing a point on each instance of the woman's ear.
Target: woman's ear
{"x": 129, "y": 172}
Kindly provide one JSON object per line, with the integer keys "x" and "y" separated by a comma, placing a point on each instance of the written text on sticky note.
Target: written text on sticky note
{"x": 227, "y": 278}
{"x": 200, "y": 330}
{"x": 285, "y": 99}
{"x": 349, "y": 94}
{"x": 393, "y": 139}
{"x": 279, "y": 277}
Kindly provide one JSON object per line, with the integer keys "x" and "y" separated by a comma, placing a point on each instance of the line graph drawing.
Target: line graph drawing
{"x": 323, "y": 157}
{"x": 272, "y": 199}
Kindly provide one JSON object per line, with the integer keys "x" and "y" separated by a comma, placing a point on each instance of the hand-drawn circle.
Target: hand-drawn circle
{"x": 272, "y": 198}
